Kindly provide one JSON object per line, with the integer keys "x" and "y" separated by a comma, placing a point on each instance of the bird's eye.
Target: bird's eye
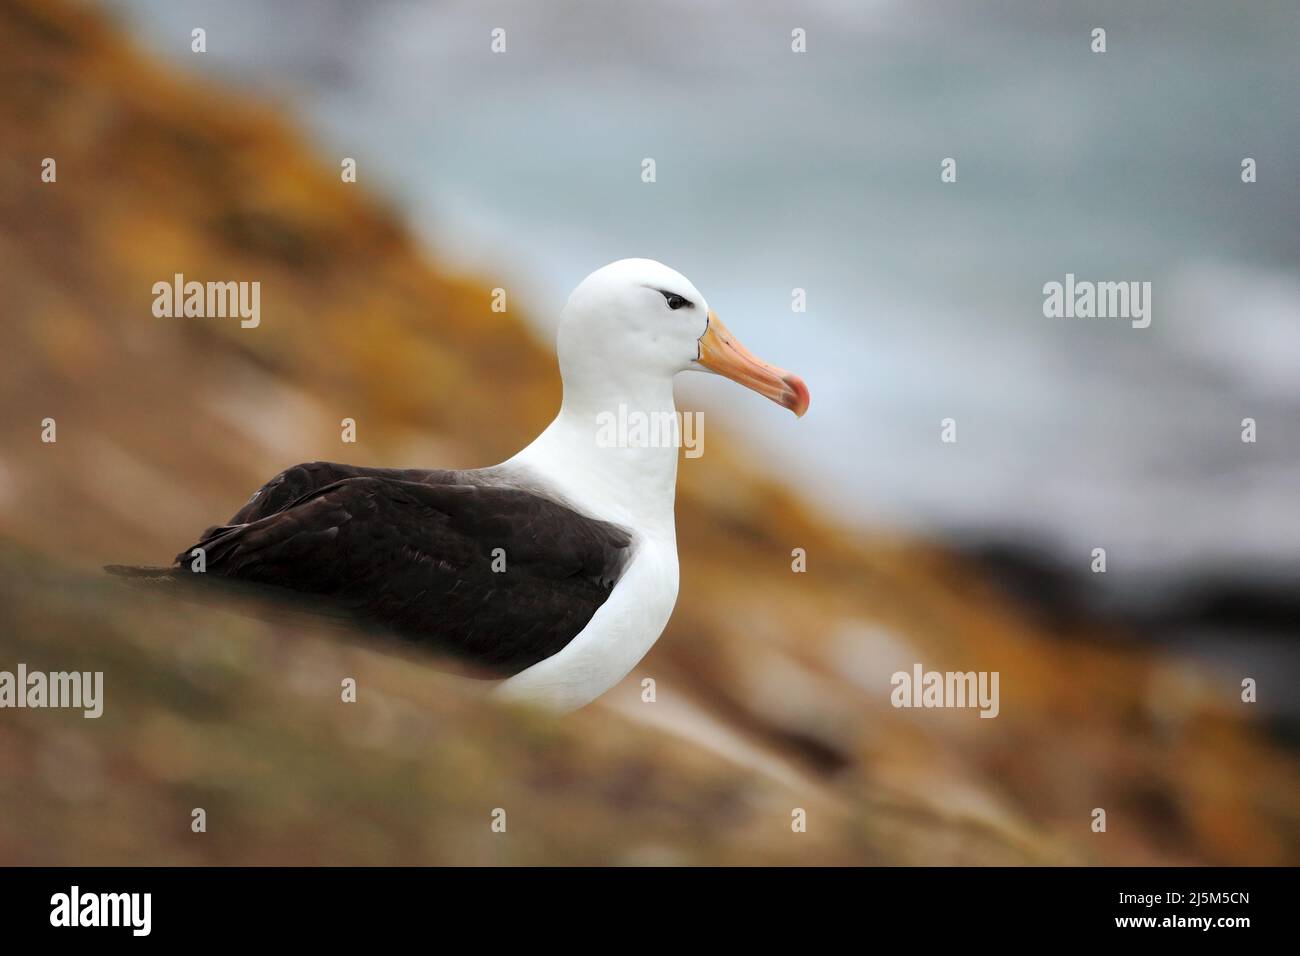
{"x": 676, "y": 302}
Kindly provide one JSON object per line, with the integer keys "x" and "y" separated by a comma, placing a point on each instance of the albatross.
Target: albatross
{"x": 554, "y": 571}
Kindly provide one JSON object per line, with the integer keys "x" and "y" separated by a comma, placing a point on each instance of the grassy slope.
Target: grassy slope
{"x": 166, "y": 425}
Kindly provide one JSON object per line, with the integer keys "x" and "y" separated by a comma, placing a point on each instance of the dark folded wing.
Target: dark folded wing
{"x": 496, "y": 575}
{"x": 301, "y": 480}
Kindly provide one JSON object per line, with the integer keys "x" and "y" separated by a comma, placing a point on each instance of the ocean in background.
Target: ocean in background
{"x": 778, "y": 170}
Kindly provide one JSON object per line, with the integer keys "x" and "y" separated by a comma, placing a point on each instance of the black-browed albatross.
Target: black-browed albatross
{"x": 585, "y": 529}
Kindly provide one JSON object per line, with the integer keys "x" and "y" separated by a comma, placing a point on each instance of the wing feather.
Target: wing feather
{"x": 416, "y": 552}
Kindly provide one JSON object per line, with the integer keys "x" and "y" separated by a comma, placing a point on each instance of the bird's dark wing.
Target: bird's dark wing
{"x": 499, "y": 576}
{"x": 301, "y": 480}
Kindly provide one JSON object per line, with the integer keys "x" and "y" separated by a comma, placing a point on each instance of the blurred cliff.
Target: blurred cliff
{"x": 772, "y": 687}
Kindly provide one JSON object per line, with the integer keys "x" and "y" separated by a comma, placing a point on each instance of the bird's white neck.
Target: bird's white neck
{"x": 610, "y": 451}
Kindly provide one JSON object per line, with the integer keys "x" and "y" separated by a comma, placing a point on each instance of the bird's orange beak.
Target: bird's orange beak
{"x": 721, "y": 353}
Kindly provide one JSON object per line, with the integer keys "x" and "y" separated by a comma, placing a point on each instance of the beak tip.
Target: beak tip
{"x": 720, "y": 352}
{"x": 797, "y": 398}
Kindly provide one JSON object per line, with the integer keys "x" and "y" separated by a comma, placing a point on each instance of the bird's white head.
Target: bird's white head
{"x": 636, "y": 319}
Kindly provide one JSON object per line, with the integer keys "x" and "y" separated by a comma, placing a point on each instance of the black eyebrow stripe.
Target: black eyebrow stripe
{"x": 665, "y": 293}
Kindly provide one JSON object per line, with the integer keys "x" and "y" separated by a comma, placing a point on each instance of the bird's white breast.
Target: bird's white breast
{"x": 619, "y": 634}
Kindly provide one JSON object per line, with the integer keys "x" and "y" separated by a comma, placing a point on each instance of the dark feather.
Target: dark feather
{"x": 413, "y": 551}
